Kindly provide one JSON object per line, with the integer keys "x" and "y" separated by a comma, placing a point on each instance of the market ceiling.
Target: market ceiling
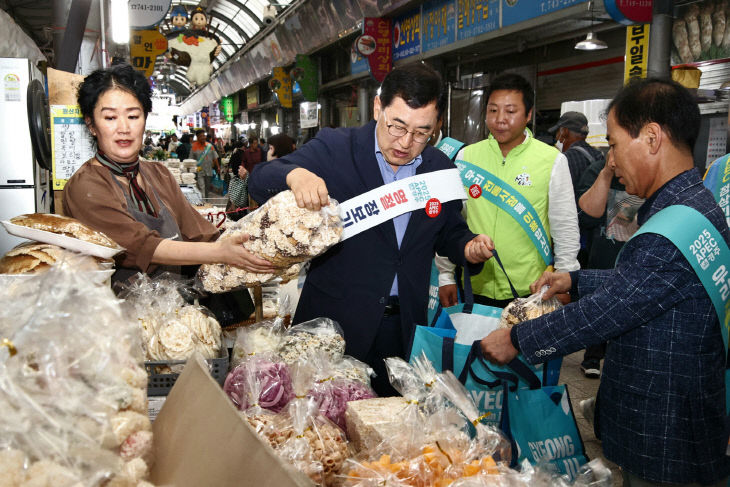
{"x": 235, "y": 21}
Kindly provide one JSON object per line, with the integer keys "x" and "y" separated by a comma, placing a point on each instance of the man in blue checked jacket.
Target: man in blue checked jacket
{"x": 660, "y": 410}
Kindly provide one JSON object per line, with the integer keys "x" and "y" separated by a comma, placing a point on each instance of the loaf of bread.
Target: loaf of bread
{"x": 35, "y": 257}
{"x": 63, "y": 225}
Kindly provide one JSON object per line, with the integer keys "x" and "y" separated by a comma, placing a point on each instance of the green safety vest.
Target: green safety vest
{"x": 521, "y": 237}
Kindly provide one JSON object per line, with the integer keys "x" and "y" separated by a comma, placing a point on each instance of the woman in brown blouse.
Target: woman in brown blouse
{"x": 137, "y": 202}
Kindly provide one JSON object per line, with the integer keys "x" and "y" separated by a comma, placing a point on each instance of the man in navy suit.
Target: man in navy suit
{"x": 660, "y": 410}
{"x": 375, "y": 284}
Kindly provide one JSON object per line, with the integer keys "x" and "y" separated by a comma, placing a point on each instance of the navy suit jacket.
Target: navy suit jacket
{"x": 350, "y": 283}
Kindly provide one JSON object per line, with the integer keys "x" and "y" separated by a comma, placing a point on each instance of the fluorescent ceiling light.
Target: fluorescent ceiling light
{"x": 119, "y": 16}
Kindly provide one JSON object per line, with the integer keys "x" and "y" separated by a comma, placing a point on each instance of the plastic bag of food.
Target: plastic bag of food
{"x": 267, "y": 376}
{"x": 309, "y": 442}
{"x": 305, "y": 339}
{"x": 529, "y": 308}
{"x": 332, "y": 392}
{"x": 489, "y": 441}
{"x": 171, "y": 329}
{"x": 263, "y": 337}
{"x": 280, "y": 232}
{"x": 350, "y": 368}
{"x": 73, "y": 406}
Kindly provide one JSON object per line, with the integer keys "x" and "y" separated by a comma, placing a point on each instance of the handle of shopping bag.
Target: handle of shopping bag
{"x": 495, "y": 256}
{"x": 468, "y": 291}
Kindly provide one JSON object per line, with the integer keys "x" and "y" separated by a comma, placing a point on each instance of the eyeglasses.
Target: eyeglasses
{"x": 399, "y": 131}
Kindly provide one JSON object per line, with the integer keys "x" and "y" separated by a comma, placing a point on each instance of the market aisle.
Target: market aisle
{"x": 582, "y": 388}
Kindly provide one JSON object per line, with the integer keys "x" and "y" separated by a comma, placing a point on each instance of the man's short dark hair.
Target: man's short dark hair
{"x": 121, "y": 76}
{"x": 664, "y": 102}
{"x": 200, "y": 131}
{"x": 417, "y": 83}
{"x": 514, "y": 82}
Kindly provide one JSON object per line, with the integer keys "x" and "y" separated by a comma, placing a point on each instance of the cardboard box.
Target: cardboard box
{"x": 201, "y": 439}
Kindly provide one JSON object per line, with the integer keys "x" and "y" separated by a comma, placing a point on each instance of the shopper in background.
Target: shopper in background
{"x": 375, "y": 284}
{"x": 137, "y": 202}
{"x": 279, "y": 146}
{"x": 570, "y": 138}
{"x": 207, "y": 157}
{"x": 533, "y": 170}
{"x": 253, "y": 153}
{"x": 238, "y": 185}
{"x": 149, "y": 148}
{"x": 172, "y": 145}
{"x": 183, "y": 150}
{"x": 660, "y": 410}
{"x": 607, "y": 219}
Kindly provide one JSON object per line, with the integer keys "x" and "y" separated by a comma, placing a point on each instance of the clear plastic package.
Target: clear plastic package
{"x": 529, "y": 308}
{"x": 319, "y": 334}
{"x": 280, "y": 232}
{"x": 73, "y": 407}
{"x": 171, "y": 329}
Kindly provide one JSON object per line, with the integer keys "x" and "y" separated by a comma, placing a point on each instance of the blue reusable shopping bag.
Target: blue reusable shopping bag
{"x": 483, "y": 381}
{"x": 541, "y": 426}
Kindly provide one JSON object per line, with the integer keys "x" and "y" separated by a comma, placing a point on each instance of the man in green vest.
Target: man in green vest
{"x": 522, "y": 196}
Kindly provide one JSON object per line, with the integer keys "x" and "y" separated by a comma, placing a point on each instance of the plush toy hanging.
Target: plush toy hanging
{"x": 179, "y": 18}
{"x": 195, "y": 48}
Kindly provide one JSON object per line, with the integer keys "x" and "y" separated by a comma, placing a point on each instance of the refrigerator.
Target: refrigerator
{"x": 25, "y": 147}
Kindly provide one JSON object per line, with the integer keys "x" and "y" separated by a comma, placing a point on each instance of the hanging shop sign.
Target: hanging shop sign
{"x": 476, "y": 17}
{"x": 306, "y": 76}
{"x": 147, "y": 13}
{"x": 407, "y": 35}
{"x": 252, "y": 97}
{"x": 280, "y": 83}
{"x": 629, "y": 12}
{"x": 376, "y": 44}
{"x": 226, "y": 107}
{"x": 144, "y": 48}
{"x": 515, "y": 11}
{"x": 438, "y": 24}
{"x": 637, "y": 51}
{"x": 358, "y": 64}
{"x": 308, "y": 114}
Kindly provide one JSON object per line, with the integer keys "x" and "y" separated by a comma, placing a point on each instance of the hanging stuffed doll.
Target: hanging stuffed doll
{"x": 195, "y": 48}
{"x": 178, "y": 18}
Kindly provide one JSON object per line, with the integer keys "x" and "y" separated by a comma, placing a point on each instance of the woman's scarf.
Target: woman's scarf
{"x": 129, "y": 170}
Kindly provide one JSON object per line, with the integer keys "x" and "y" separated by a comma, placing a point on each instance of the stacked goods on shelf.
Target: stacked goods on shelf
{"x": 73, "y": 405}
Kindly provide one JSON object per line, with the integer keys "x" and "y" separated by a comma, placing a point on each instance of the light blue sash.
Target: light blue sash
{"x": 717, "y": 180}
{"x": 511, "y": 201}
{"x": 705, "y": 249}
{"x": 503, "y": 195}
{"x": 450, "y": 147}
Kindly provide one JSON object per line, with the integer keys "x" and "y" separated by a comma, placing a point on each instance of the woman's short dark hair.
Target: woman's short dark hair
{"x": 121, "y": 76}
{"x": 514, "y": 82}
{"x": 200, "y": 131}
{"x": 417, "y": 83}
{"x": 282, "y": 144}
{"x": 185, "y": 139}
{"x": 664, "y": 102}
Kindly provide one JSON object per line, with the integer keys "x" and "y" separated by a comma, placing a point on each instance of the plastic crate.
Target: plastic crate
{"x": 160, "y": 384}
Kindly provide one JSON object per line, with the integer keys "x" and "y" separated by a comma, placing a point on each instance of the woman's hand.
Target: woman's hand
{"x": 242, "y": 172}
{"x": 233, "y": 253}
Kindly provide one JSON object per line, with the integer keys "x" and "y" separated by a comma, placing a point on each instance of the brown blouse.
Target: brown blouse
{"x": 94, "y": 198}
